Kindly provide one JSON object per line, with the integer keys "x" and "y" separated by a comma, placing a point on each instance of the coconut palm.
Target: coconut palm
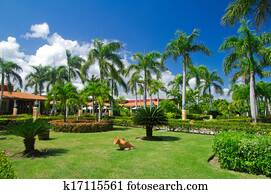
{"x": 183, "y": 46}
{"x": 210, "y": 80}
{"x": 175, "y": 89}
{"x": 99, "y": 91}
{"x": 248, "y": 54}
{"x": 65, "y": 95}
{"x": 134, "y": 83}
{"x": 74, "y": 65}
{"x": 146, "y": 64}
{"x": 37, "y": 78}
{"x": 56, "y": 75}
{"x": 9, "y": 72}
{"x": 260, "y": 9}
{"x": 155, "y": 87}
{"x": 110, "y": 64}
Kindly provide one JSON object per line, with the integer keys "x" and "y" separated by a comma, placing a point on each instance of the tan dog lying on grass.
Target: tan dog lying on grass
{"x": 123, "y": 144}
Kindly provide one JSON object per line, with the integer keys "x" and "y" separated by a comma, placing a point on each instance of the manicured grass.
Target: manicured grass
{"x": 93, "y": 155}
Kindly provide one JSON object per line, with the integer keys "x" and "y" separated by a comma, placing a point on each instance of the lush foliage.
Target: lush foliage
{"x": 244, "y": 152}
{"x": 6, "y": 169}
{"x": 84, "y": 126}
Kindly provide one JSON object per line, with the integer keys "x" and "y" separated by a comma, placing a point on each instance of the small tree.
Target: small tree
{"x": 28, "y": 130}
{"x": 150, "y": 117}
{"x": 65, "y": 96}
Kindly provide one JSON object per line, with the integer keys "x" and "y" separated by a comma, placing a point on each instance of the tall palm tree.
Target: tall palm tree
{"x": 146, "y": 64}
{"x": 9, "y": 71}
{"x": 37, "y": 78}
{"x": 183, "y": 46}
{"x": 176, "y": 88}
{"x": 155, "y": 87}
{"x": 248, "y": 53}
{"x": 56, "y": 75}
{"x": 134, "y": 83}
{"x": 106, "y": 54}
{"x": 260, "y": 9}
{"x": 74, "y": 65}
{"x": 210, "y": 80}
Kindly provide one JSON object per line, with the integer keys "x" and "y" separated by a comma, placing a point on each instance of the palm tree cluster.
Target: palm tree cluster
{"x": 248, "y": 55}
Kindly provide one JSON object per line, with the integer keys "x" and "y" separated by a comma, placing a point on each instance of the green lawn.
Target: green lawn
{"x": 93, "y": 155}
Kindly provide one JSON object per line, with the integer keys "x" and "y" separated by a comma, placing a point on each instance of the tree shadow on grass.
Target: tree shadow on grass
{"x": 159, "y": 138}
{"x": 52, "y": 152}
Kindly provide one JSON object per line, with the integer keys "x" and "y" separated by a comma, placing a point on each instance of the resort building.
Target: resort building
{"x": 23, "y": 101}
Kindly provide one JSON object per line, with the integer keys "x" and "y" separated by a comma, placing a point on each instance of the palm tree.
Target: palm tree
{"x": 56, "y": 75}
{"x": 248, "y": 54}
{"x": 99, "y": 91}
{"x": 65, "y": 95}
{"x": 155, "y": 87}
{"x": 37, "y": 78}
{"x": 210, "y": 80}
{"x": 175, "y": 89}
{"x": 74, "y": 65}
{"x": 28, "y": 130}
{"x": 260, "y": 9}
{"x": 150, "y": 117}
{"x": 9, "y": 71}
{"x": 148, "y": 63}
{"x": 110, "y": 64}
{"x": 134, "y": 83}
{"x": 183, "y": 46}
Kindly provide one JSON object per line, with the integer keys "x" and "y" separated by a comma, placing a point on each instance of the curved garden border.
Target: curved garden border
{"x": 82, "y": 126}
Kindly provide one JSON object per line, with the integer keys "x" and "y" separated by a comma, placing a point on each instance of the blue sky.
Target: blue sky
{"x": 143, "y": 25}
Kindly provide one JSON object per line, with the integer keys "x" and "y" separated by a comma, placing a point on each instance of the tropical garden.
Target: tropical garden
{"x": 188, "y": 134}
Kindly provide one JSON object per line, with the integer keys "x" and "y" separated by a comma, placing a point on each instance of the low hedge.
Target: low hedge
{"x": 83, "y": 126}
{"x": 218, "y": 126}
{"x": 6, "y": 170}
{"x": 244, "y": 152}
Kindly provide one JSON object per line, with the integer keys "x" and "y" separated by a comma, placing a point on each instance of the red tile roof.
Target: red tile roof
{"x": 23, "y": 96}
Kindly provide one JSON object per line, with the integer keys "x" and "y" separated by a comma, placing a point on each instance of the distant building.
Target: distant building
{"x": 22, "y": 100}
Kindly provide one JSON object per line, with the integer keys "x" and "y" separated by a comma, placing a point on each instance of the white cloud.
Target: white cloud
{"x": 10, "y": 51}
{"x": 38, "y": 31}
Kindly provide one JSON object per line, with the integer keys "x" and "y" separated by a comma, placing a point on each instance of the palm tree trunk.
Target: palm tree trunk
{"x": 100, "y": 113}
{"x": 184, "y": 93}
{"x": 210, "y": 94}
{"x": 145, "y": 88}
{"x": 149, "y": 131}
{"x": 252, "y": 97}
{"x": 268, "y": 107}
{"x": 29, "y": 145}
{"x": 111, "y": 112}
{"x": 158, "y": 100}
{"x": 2, "y": 92}
{"x": 136, "y": 96}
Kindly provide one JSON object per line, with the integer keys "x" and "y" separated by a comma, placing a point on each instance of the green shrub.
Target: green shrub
{"x": 218, "y": 126}
{"x": 6, "y": 170}
{"x": 198, "y": 116}
{"x": 244, "y": 152}
{"x": 87, "y": 126}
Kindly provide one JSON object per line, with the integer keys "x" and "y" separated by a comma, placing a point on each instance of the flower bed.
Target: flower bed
{"x": 82, "y": 126}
